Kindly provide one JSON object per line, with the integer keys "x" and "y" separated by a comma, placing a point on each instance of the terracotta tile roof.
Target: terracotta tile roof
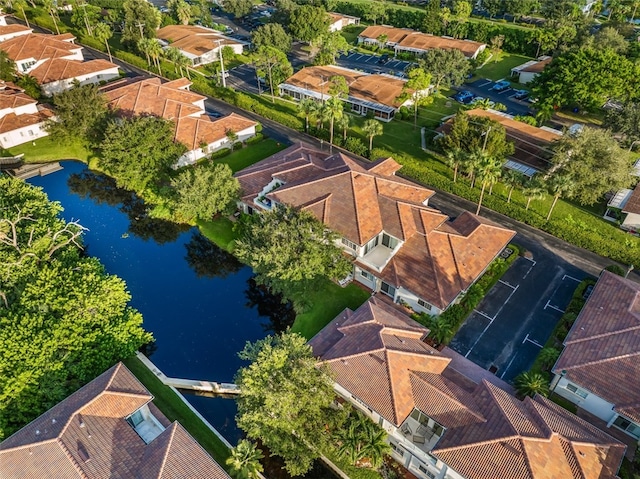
{"x": 633, "y": 203}
{"x": 13, "y": 28}
{"x": 602, "y": 351}
{"x": 424, "y": 41}
{"x": 87, "y": 436}
{"x": 382, "y": 89}
{"x": 532, "y": 144}
{"x": 394, "y": 35}
{"x": 13, "y": 97}
{"x": 12, "y": 121}
{"x": 193, "y": 39}
{"x": 62, "y": 69}
{"x": 438, "y": 260}
{"x": 192, "y": 131}
{"x": 38, "y": 47}
{"x": 538, "y": 66}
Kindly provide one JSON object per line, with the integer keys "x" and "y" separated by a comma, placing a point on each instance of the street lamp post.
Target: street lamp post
{"x": 224, "y": 80}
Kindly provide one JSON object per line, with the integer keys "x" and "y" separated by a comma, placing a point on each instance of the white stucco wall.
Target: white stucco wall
{"x": 8, "y": 36}
{"x": 50, "y": 89}
{"x": 21, "y": 110}
{"x": 412, "y": 300}
{"x": 526, "y": 77}
{"x": 592, "y": 403}
{"x": 190, "y": 157}
{"x": 22, "y": 135}
{"x": 631, "y": 222}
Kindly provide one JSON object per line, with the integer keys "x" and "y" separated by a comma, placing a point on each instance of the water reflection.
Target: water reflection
{"x": 209, "y": 261}
{"x": 281, "y": 314}
{"x": 103, "y": 190}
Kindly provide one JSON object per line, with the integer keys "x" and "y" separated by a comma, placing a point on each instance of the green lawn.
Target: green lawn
{"x": 48, "y": 149}
{"x": 251, "y": 154}
{"x": 351, "y": 33}
{"x": 220, "y": 231}
{"x": 172, "y": 406}
{"x": 497, "y": 70}
{"x": 326, "y": 303}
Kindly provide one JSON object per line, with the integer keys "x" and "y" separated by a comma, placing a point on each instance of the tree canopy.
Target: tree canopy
{"x": 625, "y": 121}
{"x": 593, "y": 162}
{"x": 587, "y": 78}
{"x": 273, "y": 65}
{"x": 238, "y": 8}
{"x": 63, "y": 319}
{"x": 139, "y": 14}
{"x": 447, "y": 67}
{"x": 81, "y": 113}
{"x": 139, "y": 151}
{"x": 328, "y": 45}
{"x": 271, "y": 35}
{"x": 205, "y": 190}
{"x": 285, "y": 400}
{"x": 307, "y": 22}
{"x": 470, "y": 134}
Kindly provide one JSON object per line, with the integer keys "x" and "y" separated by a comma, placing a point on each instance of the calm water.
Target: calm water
{"x": 200, "y": 304}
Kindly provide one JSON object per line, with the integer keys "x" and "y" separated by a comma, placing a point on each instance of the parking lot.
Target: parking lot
{"x": 483, "y": 89}
{"x": 243, "y": 78}
{"x": 513, "y": 322}
{"x": 370, "y": 63}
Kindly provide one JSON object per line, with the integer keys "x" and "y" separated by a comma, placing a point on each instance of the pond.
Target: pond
{"x": 199, "y": 302}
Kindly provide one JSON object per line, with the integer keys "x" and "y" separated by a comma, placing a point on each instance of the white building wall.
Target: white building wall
{"x": 526, "y": 77}
{"x": 8, "y": 36}
{"x": 631, "y": 222}
{"x": 31, "y": 108}
{"x": 592, "y": 403}
{"x": 22, "y": 135}
{"x": 190, "y": 157}
{"x": 50, "y": 89}
{"x": 412, "y": 300}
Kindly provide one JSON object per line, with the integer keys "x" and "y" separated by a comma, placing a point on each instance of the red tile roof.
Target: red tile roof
{"x": 38, "y": 46}
{"x": 439, "y": 258}
{"x": 488, "y": 432}
{"x": 13, "y": 97}
{"x": 12, "y": 121}
{"x": 602, "y": 351}
{"x": 62, "y": 69}
{"x": 193, "y": 38}
{"x": 194, "y": 131}
{"x": 87, "y": 436}
{"x": 633, "y": 203}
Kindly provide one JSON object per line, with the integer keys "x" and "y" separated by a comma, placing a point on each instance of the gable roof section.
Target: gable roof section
{"x": 424, "y": 41}
{"x": 633, "y": 203}
{"x": 12, "y": 121}
{"x": 194, "y": 131}
{"x": 602, "y": 350}
{"x": 12, "y": 97}
{"x": 193, "y": 39}
{"x": 14, "y": 29}
{"x": 394, "y": 35}
{"x": 87, "y": 436}
{"x": 62, "y": 69}
{"x": 38, "y": 47}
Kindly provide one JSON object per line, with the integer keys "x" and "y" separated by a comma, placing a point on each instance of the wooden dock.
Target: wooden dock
{"x": 190, "y": 384}
{"x": 29, "y": 170}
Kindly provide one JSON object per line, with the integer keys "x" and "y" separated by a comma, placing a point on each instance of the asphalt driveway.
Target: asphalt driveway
{"x": 483, "y": 87}
{"x": 513, "y": 322}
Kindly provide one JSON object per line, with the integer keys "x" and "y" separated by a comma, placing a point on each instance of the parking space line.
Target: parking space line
{"x": 548, "y": 305}
{"x": 504, "y": 91}
{"x": 481, "y": 334}
{"x": 485, "y": 315}
{"x": 571, "y": 277}
{"x": 506, "y": 284}
{"x": 485, "y": 84}
{"x": 533, "y": 263}
{"x": 359, "y": 56}
{"x": 508, "y": 366}
{"x": 507, "y": 300}
{"x": 526, "y": 338}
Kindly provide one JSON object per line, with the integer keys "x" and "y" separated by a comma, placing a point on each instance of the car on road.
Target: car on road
{"x": 521, "y": 94}
{"x": 464, "y": 97}
{"x": 501, "y": 86}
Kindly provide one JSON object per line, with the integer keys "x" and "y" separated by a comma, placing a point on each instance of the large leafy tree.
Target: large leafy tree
{"x": 328, "y": 45}
{"x": 63, "y": 320}
{"x": 139, "y": 151}
{"x": 7, "y": 67}
{"x": 205, "y": 190}
{"x": 587, "y": 78}
{"x": 416, "y": 89}
{"x": 447, "y": 67}
{"x": 287, "y": 244}
{"x": 273, "y": 65}
{"x": 432, "y": 22}
{"x": 593, "y": 162}
{"x": 245, "y": 460}
{"x": 625, "y": 121}
{"x": 271, "y": 35}
{"x": 285, "y": 400}
{"x": 141, "y": 19}
{"x": 308, "y": 22}
{"x": 238, "y": 8}
{"x": 81, "y": 113}
{"x": 470, "y": 133}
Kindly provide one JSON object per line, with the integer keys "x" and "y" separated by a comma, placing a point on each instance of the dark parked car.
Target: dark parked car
{"x": 501, "y": 86}
{"x": 383, "y": 59}
{"x": 464, "y": 96}
{"x": 521, "y": 94}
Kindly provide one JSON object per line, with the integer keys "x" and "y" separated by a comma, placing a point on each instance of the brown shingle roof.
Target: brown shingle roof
{"x": 38, "y": 46}
{"x": 538, "y": 66}
{"x": 192, "y": 131}
{"x": 13, "y": 28}
{"x": 394, "y": 35}
{"x": 192, "y": 38}
{"x": 602, "y": 351}
{"x": 424, "y": 41}
{"x": 87, "y": 436}
{"x": 438, "y": 260}
{"x": 58, "y": 69}
{"x": 382, "y": 89}
{"x": 488, "y": 432}
{"x": 532, "y": 144}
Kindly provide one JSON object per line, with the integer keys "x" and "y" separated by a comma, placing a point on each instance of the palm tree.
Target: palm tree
{"x": 343, "y": 124}
{"x": 548, "y": 356}
{"x": 155, "y": 52}
{"x": 375, "y": 445}
{"x": 144, "y": 46}
{"x": 183, "y": 12}
{"x": 533, "y": 190}
{"x": 308, "y": 107}
{"x": 183, "y": 62}
{"x": 245, "y": 460}
{"x": 559, "y": 185}
{"x": 372, "y": 128}
{"x": 440, "y": 330}
{"x": 335, "y": 109}
{"x": 362, "y": 439}
{"x": 349, "y": 442}
{"x": 20, "y": 5}
{"x": 323, "y": 114}
{"x": 455, "y": 157}
{"x": 171, "y": 54}
{"x": 472, "y": 163}
{"x": 530, "y": 384}
{"x": 511, "y": 179}
{"x": 50, "y": 7}
{"x": 489, "y": 171}
{"x": 103, "y": 33}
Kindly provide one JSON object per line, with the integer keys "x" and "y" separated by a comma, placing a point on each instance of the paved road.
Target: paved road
{"x": 482, "y": 88}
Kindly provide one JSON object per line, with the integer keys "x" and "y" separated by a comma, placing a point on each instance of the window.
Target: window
{"x": 422, "y": 468}
{"x": 627, "y": 426}
{"x": 424, "y": 304}
{"x": 349, "y": 244}
{"x": 577, "y": 391}
{"x": 388, "y": 289}
{"x": 389, "y": 241}
{"x": 30, "y": 132}
{"x": 397, "y": 449}
{"x": 366, "y": 274}
{"x": 370, "y": 245}
{"x": 136, "y": 418}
